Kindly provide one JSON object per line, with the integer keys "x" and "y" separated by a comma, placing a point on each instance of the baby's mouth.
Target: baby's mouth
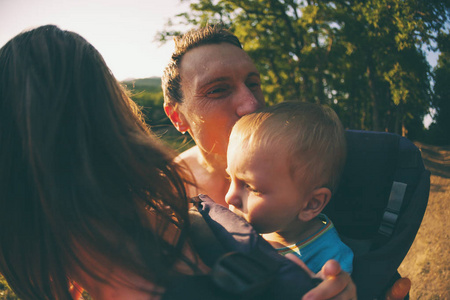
{"x": 236, "y": 211}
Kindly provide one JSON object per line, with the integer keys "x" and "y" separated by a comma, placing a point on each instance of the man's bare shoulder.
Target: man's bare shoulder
{"x": 191, "y": 157}
{"x": 207, "y": 181}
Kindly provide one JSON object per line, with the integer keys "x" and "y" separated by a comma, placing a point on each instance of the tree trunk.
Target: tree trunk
{"x": 373, "y": 95}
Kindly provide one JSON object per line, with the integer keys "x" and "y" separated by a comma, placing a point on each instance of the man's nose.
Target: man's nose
{"x": 246, "y": 102}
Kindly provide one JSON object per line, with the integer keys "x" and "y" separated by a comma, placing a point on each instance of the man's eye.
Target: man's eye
{"x": 215, "y": 91}
{"x": 254, "y": 85}
{"x": 254, "y": 82}
{"x": 218, "y": 91}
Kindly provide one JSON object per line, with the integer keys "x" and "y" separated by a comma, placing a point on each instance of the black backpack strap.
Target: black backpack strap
{"x": 238, "y": 273}
{"x": 243, "y": 265}
{"x": 204, "y": 240}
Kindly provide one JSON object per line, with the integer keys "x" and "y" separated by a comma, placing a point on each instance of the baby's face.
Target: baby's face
{"x": 262, "y": 189}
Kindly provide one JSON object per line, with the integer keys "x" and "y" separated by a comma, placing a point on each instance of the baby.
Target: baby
{"x": 284, "y": 162}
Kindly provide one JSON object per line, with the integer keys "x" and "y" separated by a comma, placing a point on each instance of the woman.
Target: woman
{"x": 79, "y": 174}
{"x": 87, "y": 194}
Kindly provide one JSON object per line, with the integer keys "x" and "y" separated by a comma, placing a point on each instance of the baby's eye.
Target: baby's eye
{"x": 252, "y": 190}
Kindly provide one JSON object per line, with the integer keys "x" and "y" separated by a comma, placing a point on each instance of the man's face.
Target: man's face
{"x": 220, "y": 84}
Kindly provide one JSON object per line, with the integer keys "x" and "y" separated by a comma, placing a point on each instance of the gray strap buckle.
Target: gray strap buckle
{"x": 392, "y": 211}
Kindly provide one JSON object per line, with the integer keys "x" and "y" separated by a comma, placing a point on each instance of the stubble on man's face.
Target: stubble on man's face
{"x": 220, "y": 83}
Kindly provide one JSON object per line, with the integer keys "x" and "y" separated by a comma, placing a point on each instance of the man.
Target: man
{"x": 208, "y": 85}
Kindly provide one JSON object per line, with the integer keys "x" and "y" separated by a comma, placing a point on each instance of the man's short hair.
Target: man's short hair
{"x": 211, "y": 34}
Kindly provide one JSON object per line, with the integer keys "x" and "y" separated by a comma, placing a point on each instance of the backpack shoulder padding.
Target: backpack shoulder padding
{"x": 235, "y": 253}
{"x": 379, "y": 205}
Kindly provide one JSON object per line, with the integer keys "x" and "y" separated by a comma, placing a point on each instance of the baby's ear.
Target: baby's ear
{"x": 316, "y": 202}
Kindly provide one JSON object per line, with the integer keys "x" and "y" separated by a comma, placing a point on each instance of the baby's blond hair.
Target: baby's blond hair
{"x": 311, "y": 134}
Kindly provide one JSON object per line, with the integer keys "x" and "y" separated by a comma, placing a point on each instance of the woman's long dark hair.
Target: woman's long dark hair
{"x": 79, "y": 169}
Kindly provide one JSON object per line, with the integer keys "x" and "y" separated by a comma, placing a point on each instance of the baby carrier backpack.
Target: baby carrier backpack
{"x": 377, "y": 211}
{"x": 379, "y": 205}
{"x": 243, "y": 265}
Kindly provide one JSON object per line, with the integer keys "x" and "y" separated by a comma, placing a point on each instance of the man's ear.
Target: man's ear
{"x": 176, "y": 117}
{"x": 316, "y": 202}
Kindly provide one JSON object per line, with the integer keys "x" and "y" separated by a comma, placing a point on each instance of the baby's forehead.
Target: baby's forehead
{"x": 256, "y": 143}
{"x": 244, "y": 152}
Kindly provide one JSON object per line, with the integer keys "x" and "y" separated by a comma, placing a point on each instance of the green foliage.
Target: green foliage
{"x": 362, "y": 57}
{"x": 440, "y": 129}
{"x": 5, "y": 291}
{"x": 147, "y": 93}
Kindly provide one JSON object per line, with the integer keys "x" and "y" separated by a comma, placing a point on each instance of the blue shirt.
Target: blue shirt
{"x": 320, "y": 247}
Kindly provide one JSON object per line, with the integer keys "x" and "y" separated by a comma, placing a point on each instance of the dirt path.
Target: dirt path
{"x": 428, "y": 261}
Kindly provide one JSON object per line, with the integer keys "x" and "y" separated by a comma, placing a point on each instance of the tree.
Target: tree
{"x": 364, "y": 58}
{"x": 388, "y": 36}
{"x": 440, "y": 129}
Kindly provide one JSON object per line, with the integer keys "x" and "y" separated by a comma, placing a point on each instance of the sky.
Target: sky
{"x": 122, "y": 31}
